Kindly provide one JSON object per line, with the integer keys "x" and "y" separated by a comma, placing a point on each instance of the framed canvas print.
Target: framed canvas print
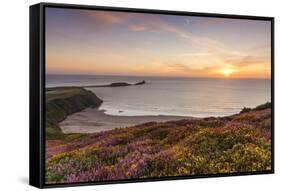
{"x": 128, "y": 95}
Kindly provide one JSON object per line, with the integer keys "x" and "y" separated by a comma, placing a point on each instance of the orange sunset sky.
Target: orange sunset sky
{"x": 116, "y": 43}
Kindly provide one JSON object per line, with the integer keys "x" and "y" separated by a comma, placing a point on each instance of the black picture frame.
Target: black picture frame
{"x": 37, "y": 89}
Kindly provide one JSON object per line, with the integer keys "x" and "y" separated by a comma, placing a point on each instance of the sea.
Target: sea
{"x": 178, "y": 96}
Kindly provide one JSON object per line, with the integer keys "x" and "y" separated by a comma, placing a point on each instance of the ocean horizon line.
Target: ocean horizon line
{"x": 147, "y": 76}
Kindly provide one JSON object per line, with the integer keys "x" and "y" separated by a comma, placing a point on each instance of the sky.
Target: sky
{"x": 137, "y": 44}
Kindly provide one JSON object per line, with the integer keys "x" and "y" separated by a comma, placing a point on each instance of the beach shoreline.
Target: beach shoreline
{"x": 92, "y": 120}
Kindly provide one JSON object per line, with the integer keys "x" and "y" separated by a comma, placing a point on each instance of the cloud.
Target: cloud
{"x": 245, "y": 60}
{"x": 137, "y": 28}
{"x": 254, "y": 57}
{"x": 155, "y": 23}
{"x": 108, "y": 17}
{"x": 204, "y": 43}
{"x": 178, "y": 66}
{"x": 248, "y": 63}
{"x": 195, "y": 54}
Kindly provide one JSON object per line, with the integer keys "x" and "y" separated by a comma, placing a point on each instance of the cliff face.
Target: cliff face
{"x": 63, "y": 101}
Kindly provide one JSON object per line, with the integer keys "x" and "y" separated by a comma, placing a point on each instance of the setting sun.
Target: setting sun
{"x": 227, "y": 72}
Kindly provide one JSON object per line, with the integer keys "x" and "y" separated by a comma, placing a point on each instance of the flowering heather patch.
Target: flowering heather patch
{"x": 238, "y": 143}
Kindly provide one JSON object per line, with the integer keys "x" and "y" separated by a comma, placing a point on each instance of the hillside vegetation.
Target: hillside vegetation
{"x": 238, "y": 143}
{"x": 63, "y": 101}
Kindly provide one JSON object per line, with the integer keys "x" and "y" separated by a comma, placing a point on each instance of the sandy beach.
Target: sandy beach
{"x": 91, "y": 120}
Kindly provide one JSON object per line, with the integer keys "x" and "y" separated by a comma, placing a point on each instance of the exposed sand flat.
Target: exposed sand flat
{"x": 91, "y": 120}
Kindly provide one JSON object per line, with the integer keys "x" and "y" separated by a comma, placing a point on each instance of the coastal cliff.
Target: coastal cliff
{"x": 62, "y": 101}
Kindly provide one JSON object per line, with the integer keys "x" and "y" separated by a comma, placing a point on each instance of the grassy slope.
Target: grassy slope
{"x": 199, "y": 146}
{"x": 63, "y": 101}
